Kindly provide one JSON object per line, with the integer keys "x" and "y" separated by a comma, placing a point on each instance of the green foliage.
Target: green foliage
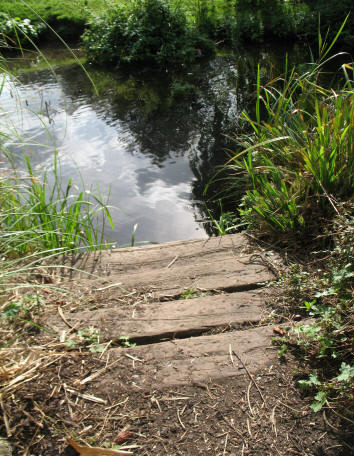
{"x": 15, "y": 31}
{"x": 39, "y": 215}
{"x": 326, "y": 342}
{"x": 229, "y": 21}
{"x": 226, "y": 224}
{"x": 189, "y": 293}
{"x": 331, "y": 15}
{"x": 22, "y": 307}
{"x": 88, "y": 337}
{"x": 125, "y": 342}
{"x": 146, "y": 32}
{"x": 299, "y": 160}
{"x": 65, "y": 16}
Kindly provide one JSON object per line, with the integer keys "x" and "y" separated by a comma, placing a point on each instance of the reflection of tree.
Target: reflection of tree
{"x": 200, "y": 124}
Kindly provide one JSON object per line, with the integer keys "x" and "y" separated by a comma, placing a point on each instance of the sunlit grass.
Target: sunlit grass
{"x": 298, "y": 158}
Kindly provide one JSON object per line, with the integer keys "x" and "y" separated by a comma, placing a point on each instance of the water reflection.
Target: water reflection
{"x": 151, "y": 140}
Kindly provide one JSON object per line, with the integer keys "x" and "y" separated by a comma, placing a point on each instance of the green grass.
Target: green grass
{"x": 298, "y": 157}
{"x": 40, "y": 215}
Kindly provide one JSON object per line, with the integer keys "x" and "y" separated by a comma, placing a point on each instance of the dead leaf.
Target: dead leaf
{"x": 278, "y": 330}
{"x": 123, "y": 436}
{"x": 95, "y": 451}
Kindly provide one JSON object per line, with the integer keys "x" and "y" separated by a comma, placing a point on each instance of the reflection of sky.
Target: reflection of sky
{"x": 107, "y": 155}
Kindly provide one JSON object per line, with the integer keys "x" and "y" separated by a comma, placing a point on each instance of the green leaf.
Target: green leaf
{"x": 320, "y": 400}
{"x": 346, "y": 373}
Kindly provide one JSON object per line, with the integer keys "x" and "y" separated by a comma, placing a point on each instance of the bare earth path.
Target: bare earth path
{"x": 184, "y": 358}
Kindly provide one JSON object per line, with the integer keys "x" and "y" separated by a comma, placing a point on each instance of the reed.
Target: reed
{"x": 298, "y": 157}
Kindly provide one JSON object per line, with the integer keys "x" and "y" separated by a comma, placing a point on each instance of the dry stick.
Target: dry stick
{"x": 248, "y": 372}
{"x": 6, "y": 421}
{"x": 62, "y": 316}
{"x": 32, "y": 419}
{"x": 226, "y": 438}
{"x": 248, "y": 398}
{"x": 173, "y": 261}
{"x": 180, "y": 421}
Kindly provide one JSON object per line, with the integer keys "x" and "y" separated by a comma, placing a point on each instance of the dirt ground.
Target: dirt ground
{"x": 260, "y": 415}
{"x": 52, "y": 391}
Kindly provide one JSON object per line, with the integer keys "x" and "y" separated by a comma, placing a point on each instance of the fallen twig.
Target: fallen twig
{"x": 248, "y": 372}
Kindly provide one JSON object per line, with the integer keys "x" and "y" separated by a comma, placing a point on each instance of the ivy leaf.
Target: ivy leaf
{"x": 320, "y": 400}
{"x": 346, "y": 373}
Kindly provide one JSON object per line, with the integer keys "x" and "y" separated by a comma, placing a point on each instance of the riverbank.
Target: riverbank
{"x": 152, "y": 388}
{"x": 224, "y": 21}
{"x": 296, "y": 164}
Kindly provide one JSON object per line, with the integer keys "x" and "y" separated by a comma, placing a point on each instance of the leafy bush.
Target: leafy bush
{"x": 147, "y": 32}
{"x": 66, "y": 17}
{"x": 15, "y": 31}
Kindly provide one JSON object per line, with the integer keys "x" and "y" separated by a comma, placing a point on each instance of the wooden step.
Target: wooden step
{"x": 223, "y": 263}
{"x": 158, "y": 320}
{"x": 185, "y": 361}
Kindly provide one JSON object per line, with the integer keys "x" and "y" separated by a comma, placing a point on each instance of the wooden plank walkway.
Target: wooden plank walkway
{"x": 221, "y": 263}
{"x": 181, "y": 341}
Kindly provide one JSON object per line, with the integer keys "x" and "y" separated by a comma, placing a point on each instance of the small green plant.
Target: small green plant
{"x": 90, "y": 337}
{"x": 23, "y": 307}
{"x": 226, "y": 224}
{"x": 125, "y": 342}
{"x": 189, "y": 293}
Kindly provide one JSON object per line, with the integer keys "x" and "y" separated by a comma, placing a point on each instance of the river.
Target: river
{"x": 150, "y": 141}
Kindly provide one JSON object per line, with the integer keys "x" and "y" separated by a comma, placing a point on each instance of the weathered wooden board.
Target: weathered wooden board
{"x": 160, "y": 320}
{"x": 168, "y": 269}
{"x": 160, "y": 255}
{"x": 186, "y": 361}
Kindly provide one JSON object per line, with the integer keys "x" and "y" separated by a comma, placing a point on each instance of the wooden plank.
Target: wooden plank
{"x": 167, "y": 269}
{"x": 159, "y": 320}
{"x": 186, "y": 361}
{"x": 160, "y": 255}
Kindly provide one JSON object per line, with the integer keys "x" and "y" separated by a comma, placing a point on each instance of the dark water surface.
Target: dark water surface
{"x": 150, "y": 140}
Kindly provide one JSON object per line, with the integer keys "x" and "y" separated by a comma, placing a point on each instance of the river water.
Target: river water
{"x": 150, "y": 141}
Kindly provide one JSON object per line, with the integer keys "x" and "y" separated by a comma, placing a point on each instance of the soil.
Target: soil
{"x": 203, "y": 379}
{"x": 218, "y": 418}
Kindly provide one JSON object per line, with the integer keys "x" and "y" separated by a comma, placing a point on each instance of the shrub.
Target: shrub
{"x": 15, "y": 31}
{"x": 149, "y": 32}
{"x": 66, "y": 17}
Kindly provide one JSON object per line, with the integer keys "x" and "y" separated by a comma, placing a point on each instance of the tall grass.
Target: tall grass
{"x": 39, "y": 215}
{"x": 38, "y": 212}
{"x": 298, "y": 158}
